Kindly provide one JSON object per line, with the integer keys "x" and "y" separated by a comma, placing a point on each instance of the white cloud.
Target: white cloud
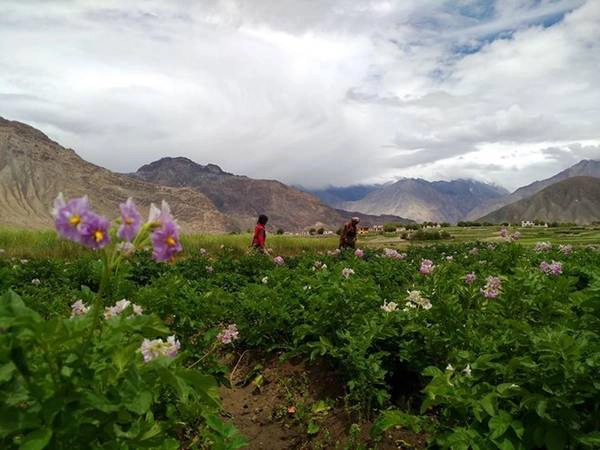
{"x": 312, "y": 92}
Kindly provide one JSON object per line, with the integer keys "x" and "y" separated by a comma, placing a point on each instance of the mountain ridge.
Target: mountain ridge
{"x": 575, "y": 199}
{"x": 585, "y": 167}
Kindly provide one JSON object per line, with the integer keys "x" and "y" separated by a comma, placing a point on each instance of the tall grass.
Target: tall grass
{"x": 46, "y": 244}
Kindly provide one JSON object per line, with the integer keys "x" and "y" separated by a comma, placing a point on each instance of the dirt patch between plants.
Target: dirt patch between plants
{"x": 293, "y": 405}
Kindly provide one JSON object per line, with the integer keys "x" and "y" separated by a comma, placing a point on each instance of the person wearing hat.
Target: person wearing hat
{"x": 349, "y": 233}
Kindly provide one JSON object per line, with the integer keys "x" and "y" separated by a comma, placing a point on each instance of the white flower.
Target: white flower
{"x": 416, "y": 299}
{"x": 209, "y": 269}
{"x": 79, "y": 309}
{"x": 467, "y": 370}
{"x": 138, "y": 310}
{"x": 126, "y": 248}
{"x": 24, "y": 261}
{"x": 36, "y": 281}
{"x": 389, "y": 307}
{"x": 264, "y": 280}
{"x": 450, "y": 368}
{"x": 346, "y": 272}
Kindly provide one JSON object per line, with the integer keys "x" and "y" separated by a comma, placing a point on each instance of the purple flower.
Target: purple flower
{"x": 165, "y": 241}
{"x": 470, "y": 278}
{"x": 554, "y": 268}
{"x": 359, "y": 253}
{"x": 393, "y": 254}
{"x": 130, "y": 221}
{"x": 492, "y": 287}
{"x": 229, "y": 334}
{"x": 279, "y": 260}
{"x": 94, "y": 232}
{"x": 515, "y": 236}
{"x": 504, "y": 233}
{"x": 543, "y": 247}
{"x": 426, "y": 267}
{"x": 69, "y": 217}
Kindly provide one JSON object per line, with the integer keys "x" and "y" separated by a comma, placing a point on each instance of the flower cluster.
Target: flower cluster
{"x": 264, "y": 280}
{"x": 508, "y": 236}
{"x": 334, "y": 253}
{"x": 228, "y": 334}
{"x": 279, "y": 260}
{"x": 393, "y": 254}
{"x": 416, "y": 300}
{"x": 543, "y": 247}
{"x": 492, "y": 287}
{"x": 554, "y": 268}
{"x": 389, "y": 307}
{"x": 426, "y": 267}
{"x": 165, "y": 234}
{"x": 119, "y": 307}
{"x": 565, "y": 249}
{"x": 75, "y": 220}
{"x": 79, "y": 309}
{"x": 359, "y": 253}
{"x": 209, "y": 269}
{"x": 470, "y": 278}
{"x": 474, "y": 251}
{"x": 346, "y": 272}
{"x": 151, "y": 349}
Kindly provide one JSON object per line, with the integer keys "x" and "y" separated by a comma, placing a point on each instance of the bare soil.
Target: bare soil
{"x": 293, "y": 405}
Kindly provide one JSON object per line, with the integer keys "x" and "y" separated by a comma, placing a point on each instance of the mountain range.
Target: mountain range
{"x": 205, "y": 198}
{"x": 421, "y": 200}
{"x": 34, "y": 169}
{"x": 584, "y": 168}
{"x": 575, "y": 200}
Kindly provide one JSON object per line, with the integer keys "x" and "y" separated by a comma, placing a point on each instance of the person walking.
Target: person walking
{"x": 260, "y": 235}
{"x": 349, "y": 233}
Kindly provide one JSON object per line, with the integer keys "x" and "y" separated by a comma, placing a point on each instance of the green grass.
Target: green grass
{"x": 29, "y": 244}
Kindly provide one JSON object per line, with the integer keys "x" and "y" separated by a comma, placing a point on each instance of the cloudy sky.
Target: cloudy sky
{"x": 311, "y": 92}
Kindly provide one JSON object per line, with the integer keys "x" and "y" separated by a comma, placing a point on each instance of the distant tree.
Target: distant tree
{"x": 312, "y": 231}
{"x": 390, "y": 227}
{"x": 338, "y": 231}
{"x": 321, "y": 230}
{"x": 444, "y": 224}
{"x": 280, "y": 231}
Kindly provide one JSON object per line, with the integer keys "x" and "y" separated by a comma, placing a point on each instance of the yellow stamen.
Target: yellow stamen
{"x": 98, "y": 235}
{"x": 75, "y": 220}
{"x": 171, "y": 242}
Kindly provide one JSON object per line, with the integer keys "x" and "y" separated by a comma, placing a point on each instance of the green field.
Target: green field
{"x": 26, "y": 243}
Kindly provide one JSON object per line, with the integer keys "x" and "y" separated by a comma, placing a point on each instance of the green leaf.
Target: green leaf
{"x": 499, "y": 424}
{"x": 37, "y": 440}
{"x": 320, "y": 406}
{"x": 6, "y": 371}
{"x": 591, "y": 439}
{"x": 487, "y": 403}
{"x": 141, "y": 403}
{"x": 313, "y": 428}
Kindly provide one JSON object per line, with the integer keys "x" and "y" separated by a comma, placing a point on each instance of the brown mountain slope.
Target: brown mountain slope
{"x": 575, "y": 200}
{"x": 33, "y": 169}
{"x": 584, "y": 168}
{"x": 242, "y": 198}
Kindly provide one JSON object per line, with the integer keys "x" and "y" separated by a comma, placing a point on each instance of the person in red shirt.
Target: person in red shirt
{"x": 260, "y": 235}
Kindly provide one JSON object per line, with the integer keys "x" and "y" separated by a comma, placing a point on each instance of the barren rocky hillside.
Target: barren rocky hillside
{"x": 33, "y": 169}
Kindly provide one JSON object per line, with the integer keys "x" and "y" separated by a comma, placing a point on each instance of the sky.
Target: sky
{"x": 311, "y": 92}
